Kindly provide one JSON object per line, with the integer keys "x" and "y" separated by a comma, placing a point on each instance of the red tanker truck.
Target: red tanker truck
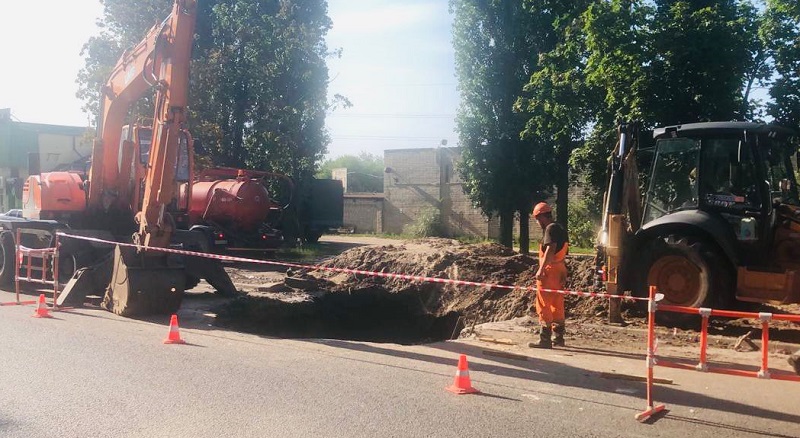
{"x": 233, "y": 209}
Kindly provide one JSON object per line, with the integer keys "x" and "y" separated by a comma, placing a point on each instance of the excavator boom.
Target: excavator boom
{"x": 143, "y": 281}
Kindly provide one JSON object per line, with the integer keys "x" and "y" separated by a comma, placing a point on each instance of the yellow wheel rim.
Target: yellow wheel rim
{"x": 677, "y": 278}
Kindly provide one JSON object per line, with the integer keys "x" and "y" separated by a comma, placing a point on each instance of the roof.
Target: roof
{"x": 51, "y": 129}
{"x": 362, "y": 195}
{"x": 404, "y": 150}
{"x": 721, "y": 128}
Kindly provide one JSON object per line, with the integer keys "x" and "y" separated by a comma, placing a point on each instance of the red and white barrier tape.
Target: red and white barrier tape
{"x": 351, "y": 271}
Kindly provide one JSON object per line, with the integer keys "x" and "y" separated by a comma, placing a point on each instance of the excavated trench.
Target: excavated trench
{"x": 370, "y": 314}
{"x": 344, "y": 305}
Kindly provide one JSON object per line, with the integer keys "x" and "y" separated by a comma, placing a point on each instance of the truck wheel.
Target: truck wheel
{"x": 689, "y": 272}
{"x": 7, "y": 259}
{"x": 311, "y": 236}
{"x": 67, "y": 265}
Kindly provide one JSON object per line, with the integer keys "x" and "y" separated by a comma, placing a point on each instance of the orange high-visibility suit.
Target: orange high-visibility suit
{"x": 550, "y": 305}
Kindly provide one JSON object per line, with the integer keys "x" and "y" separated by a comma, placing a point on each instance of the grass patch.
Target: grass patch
{"x": 463, "y": 239}
{"x": 309, "y": 251}
{"x": 470, "y": 240}
{"x": 582, "y": 251}
{"x": 382, "y": 236}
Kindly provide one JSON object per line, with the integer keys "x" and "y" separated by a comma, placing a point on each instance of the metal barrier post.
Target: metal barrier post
{"x": 55, "y": 272}
{"x": 703, "y": 365}
{"x": 18, "y": 262}
{"x": 651, "y": 359}
{"x": 765, "y": 318}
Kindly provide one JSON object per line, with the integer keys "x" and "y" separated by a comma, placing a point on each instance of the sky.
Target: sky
{"x": 396, "y": 68}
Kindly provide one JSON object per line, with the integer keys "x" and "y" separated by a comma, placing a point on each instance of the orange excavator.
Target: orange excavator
{"x": 131, "y": 192}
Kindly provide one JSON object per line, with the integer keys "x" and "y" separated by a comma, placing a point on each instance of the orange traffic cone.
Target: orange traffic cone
{"x": 41, "y": 309}
{"x": 174, "y": 336}
{"x": 462, "y": 384}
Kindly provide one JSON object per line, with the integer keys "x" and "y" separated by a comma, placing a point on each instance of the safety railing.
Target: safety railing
{"x": 37, "y": 264}
{"x": 702, "y": 365}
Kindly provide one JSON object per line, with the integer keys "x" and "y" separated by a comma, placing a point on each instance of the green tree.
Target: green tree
{"x": 364, "y": 172}
{"x": 618, "y": 53}
{"x": 261, "y": 90}
{"x": 702, "y": 50}
{"x": 759, "y": 67}
{"x": 782, "y": 30}
{"x": 122, "y": 25}
{"x": 258, "y": 83}
{"x": 664, "y": 62}
{"x": 556, "y": 97}
{"x": 496, "y": 43}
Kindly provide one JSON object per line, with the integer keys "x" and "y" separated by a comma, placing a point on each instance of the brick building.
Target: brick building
{"x": 416, "y": 180}
{"x": 363, "y": 212}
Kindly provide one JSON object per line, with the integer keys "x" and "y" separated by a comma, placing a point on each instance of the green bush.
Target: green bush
{"x": 583, "y": 226}
{"x": 427, "y": 224}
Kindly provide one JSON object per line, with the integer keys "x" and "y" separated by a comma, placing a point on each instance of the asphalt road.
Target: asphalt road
{"x": 88, "y": 373}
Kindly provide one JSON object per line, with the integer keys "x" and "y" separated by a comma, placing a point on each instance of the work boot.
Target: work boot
{"x": 558, "y": 335}
{"x": 794, "y": 361}
{"x": 544, "y": 339}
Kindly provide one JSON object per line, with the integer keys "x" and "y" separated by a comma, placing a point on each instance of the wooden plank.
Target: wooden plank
{"x": 505, "y": 355}
{"x": 634, "y": 378}
{"x": 496, "y": 341}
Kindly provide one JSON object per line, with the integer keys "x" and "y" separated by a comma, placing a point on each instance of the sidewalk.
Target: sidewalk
{"x": 630, "y": 342}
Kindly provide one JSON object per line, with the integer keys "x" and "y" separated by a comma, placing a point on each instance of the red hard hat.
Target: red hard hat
{"x": 541, "y": 208}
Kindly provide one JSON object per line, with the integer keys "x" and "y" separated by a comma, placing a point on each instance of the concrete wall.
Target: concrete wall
{"x": 575, "y": 194}
{"x": 426, "y": 179}
{"x": 417, "y": 180}
{"x": 363, "y": 212}
{"x": 340, "y": 173}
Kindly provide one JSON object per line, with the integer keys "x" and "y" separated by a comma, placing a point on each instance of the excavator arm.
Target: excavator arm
{"x": 621, "y": 213}
{"x": 161, "y": 62}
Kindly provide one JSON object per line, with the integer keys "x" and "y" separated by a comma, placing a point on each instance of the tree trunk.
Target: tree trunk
{"x": 524, "y": 231}
{"x": 507, "y": 228}
{"x": 237, "y": 119}
{"x": 562, "y": 185}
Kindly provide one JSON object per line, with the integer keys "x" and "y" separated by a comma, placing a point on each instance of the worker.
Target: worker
{"x": 552, "y": 274}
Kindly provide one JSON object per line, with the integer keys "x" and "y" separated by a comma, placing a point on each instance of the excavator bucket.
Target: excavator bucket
{"x": 143, "y": 285}
{"x": 91, "y": 280}
{"x": 136, "y": 285}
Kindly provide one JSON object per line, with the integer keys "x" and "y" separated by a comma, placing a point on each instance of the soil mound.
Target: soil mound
{"x": 444, "y": 258}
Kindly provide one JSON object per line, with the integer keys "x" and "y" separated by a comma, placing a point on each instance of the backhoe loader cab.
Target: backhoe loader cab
{"x": 720, "y": 217}
{"x": 729, "y": 168}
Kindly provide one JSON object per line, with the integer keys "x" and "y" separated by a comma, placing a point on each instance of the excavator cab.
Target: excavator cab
{"x": 134, "y": 149}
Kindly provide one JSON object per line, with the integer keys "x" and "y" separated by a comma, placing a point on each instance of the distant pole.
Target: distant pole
{"x": 445, "y": 204}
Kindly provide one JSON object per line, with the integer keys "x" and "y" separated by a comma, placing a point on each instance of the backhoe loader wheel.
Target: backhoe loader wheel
{"x": 688, "y": 271}
{"x": 7, "y": 258}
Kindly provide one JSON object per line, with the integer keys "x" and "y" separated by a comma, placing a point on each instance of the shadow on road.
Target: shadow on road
{"x": 547, "y": 371}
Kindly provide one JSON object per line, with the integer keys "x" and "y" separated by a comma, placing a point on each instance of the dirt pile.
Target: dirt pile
{"x": 317, "y": 303}
{"x": 444, "y": 258}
